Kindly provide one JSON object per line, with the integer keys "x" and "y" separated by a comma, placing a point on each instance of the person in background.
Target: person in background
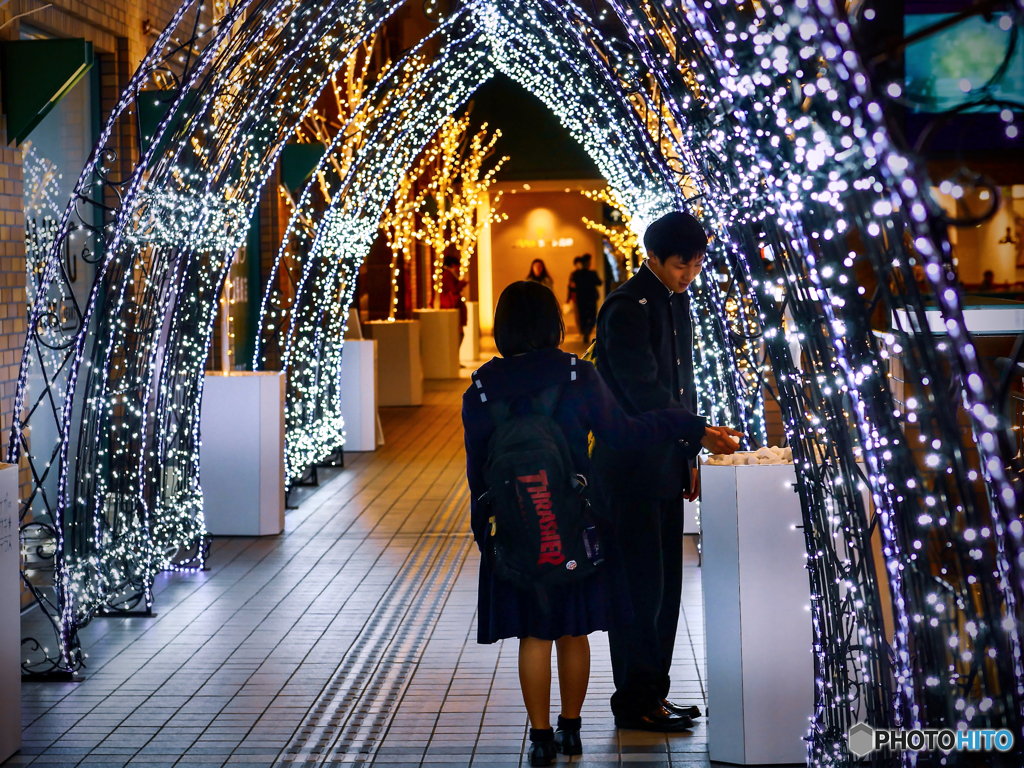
{"x": 571, "y": 299}
{"x": 539, "y": 274}
{"x": 528, "y": 329}
{"x": 451, "y": 291}
{"x": 988, "y": 282}
{"x": 645, "y": 354}
{"x": 583, "y": 292}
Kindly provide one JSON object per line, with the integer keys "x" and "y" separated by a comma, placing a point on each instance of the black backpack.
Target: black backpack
{"x": 540, "y": 532}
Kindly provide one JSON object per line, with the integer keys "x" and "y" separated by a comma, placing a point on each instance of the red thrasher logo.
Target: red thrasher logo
{"x": 550, "y": 542}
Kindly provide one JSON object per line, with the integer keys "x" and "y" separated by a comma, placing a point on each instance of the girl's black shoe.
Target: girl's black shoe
{"x": 567, "y": 737}
{"x": 542, "y": 747}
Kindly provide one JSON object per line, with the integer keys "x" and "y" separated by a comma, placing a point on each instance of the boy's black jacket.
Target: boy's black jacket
{"x": 645, "y": 355}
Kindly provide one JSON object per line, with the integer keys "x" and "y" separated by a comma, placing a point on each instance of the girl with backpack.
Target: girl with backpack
{"x": 549, "y": 574}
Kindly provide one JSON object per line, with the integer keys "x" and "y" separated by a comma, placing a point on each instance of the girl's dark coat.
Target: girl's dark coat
{"x": 586, "y": 405}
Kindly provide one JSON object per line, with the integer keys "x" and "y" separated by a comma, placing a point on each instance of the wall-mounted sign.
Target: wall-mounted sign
{"x": 561, "y": 242}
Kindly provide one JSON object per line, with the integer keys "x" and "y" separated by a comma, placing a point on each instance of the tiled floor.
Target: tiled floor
{"x": 348, "y": 639}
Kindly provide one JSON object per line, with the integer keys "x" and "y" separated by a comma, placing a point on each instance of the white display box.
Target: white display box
{"x": 691, "y": 517}
{"x": 359, "y": 394}
{"x": 757, "y": 615}
{"x": 241, "y": 461}
{"x": 439, "y": 342}
{"x": 399, "y": 366}
{"x": 10, "y": 614}
{"x": 470, "y": 349}
{"x": 993, "y": 318}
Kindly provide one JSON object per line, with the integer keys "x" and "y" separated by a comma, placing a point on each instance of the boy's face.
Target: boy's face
{"x": 676, "y": 275}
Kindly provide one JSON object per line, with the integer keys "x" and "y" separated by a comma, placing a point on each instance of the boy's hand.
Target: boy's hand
{"x": 694, "y": 493}
{"x": 720, "y": 440}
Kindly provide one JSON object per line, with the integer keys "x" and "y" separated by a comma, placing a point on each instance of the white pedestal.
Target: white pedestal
{"x": 241, "y": 461}
{"x": 691, "y": 518}
{"x": 756, "y": 613}
{"x": 470, "y": 349}
{"x": 359, "y": 394}
{"x": 439, "y": 342}
{"x": 10, "y": 614}
{"x": 399, "y": 366}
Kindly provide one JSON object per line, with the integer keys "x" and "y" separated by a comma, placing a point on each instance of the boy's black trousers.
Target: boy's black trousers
{"x": 649, "y": 540}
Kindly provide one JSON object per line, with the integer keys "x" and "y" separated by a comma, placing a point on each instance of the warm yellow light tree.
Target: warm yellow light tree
{"x": 445, "y": 209}
{"x": 623, "y": 239}
{"x": 354, "y": 112}
{"x": 449, "y": 213}
{"x": 399, "y": 221}
{"x": 474, "y": 195}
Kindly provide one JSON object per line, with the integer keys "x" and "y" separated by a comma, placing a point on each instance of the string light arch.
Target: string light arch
{"x": 767, "y": 113}
{"x": 321, "y": 261}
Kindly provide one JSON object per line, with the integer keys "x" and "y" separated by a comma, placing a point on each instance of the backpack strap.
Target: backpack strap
{"x": 500, "y": 411}
{"x": 544, "y": 402}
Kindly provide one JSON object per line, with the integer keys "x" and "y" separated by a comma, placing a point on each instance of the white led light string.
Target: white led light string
{"x": 77, "y": 602}
{"x": 747, "y": 198}
{"x": 790, "y": 210}
{"x": 315, "y": 333}
{"x": 314, "y": 407}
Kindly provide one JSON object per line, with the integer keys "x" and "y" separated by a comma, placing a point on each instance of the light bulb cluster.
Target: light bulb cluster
{"x": 114, "y": 428}
{"x": 760, "y": 118}
{"x": 417, "y": 101}
{"x": 818, "y": 212}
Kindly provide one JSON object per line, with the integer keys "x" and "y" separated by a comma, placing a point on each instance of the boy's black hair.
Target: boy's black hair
{"x": 451, "y": 260}
{"x": 527, "y": 318}
{"x": 676, "y": 234}
{"x": 586, "y": 257}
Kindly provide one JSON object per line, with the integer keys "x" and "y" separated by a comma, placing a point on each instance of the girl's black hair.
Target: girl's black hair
{"x": 543, "y": 268}
{"x": 527, "y": 318}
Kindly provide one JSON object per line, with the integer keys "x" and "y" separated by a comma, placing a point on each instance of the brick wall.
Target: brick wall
{"x": 102, "y": 22}
{"x": 12, "y": 278}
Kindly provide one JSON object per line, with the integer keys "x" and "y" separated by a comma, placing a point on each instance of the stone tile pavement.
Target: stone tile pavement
{"x": 350, "y": 638}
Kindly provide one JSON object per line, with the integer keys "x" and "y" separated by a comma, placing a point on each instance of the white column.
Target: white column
{"x": 485, "y": 276}
{"x": 439, "y": 342}
{"x": 359, "y": 394}
{"x": 400, "y": 368}
{"x": 757, "y": 615}
{"x": 470, "y": 349}
{"x": 241, "y": 460}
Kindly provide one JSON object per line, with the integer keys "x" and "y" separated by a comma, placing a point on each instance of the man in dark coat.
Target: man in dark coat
{"x": 645, "y": 354}
{"x": 583, "y": 291}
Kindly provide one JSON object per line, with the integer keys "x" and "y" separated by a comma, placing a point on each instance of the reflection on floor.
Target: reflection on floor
{"x": 348, "y": 639}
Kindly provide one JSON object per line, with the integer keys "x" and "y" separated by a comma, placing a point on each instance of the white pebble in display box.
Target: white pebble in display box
{"x": 773, "y": 455}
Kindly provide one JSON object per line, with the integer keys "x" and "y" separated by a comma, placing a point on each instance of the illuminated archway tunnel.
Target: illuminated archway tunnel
{"x": 479, "y": 41}
{"x": 762, "y": 119}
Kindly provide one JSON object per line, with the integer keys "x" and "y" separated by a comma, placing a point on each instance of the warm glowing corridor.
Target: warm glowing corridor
{"x": 351, "y": 638}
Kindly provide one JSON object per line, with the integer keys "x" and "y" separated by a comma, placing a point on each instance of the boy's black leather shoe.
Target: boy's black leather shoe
{"x": 658, "y": 720}
{"x": 679, "y": 709}
{"x": 542, "y": 747}
{"x": 567, "y": 737}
